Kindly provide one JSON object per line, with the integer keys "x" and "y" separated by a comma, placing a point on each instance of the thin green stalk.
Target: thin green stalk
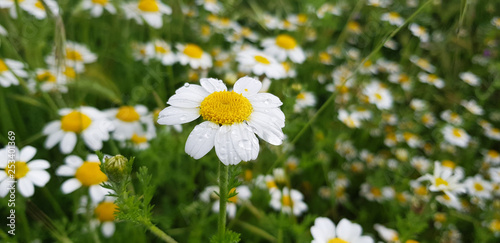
{"x": 223, "y": 174}
{"x": 158, "y": 232}
{"x": 256, "y": 230}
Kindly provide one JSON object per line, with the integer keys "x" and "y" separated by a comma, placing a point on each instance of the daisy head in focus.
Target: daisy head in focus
{"x": 26, "y": 172}
{"x": 75, "y": 56}
{"x": 103, "y": 213}
{"x": 10, "y": 71}
{"x": 240, "y": 194}
{"x": 259, "y": 63}
{"x": 289, "y": 201}
{"x": 97, "y": 7}
{"x": 87, "y": 122}
{"x": 445, "y": 179}
{"x": 84, "y": 173}
{"x": 231, "y": 118}
{"x": 149, "y": 11}
{"x": 325, "y": 231}
{"x": 192, "y": 55}
{"x": 284, "y": 46}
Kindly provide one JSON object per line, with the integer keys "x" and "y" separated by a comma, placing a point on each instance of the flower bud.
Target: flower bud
{"x": 116, "y": 167}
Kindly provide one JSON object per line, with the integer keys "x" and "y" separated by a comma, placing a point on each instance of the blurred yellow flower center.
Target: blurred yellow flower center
{"x": 138, "y": 139}
{"x": 448, "y": 163}
{"x": 39, "y": 5}
{"x": 367, "y": 63}
{"x": 353, "y": 26}
{"x": 161, "y": 49}
{"x": 286, "y": 42}
{"x": 301, "y": 96}
{"x": 440, "y": 217}
{"x": 90, "y": 174}
{"x": 411, "y": 241}
{"x": 421, "y": 190}
{"x": 376, "y": 192}
{"x": 493, "y": 154}
{"x": 271, "y": 184}
{"x": 286, "y": 66}
{"x": 302, "y": 18}
{"x": 101, "y": 2}
{"x": 225, "y": 107}
{"x": 3, "y": 67}
{"x": 393, "y": 15}
{"x": 478, "y": 186}
{"x": 261, "y": 59}
{"x": 193, "y": 51}
{"x": 337, "y": 240}
{"x": 148, "y": 6}
{"x": 127, "y": 114}
{"x": 75, "y": 122}
{"x": 457, "y": 133}
{"x": 20, "y": 170}
{"x": 287, "y": 201}
{"x": 73, "y": 55}
{"x": 69, "y": 72}
{"x": 495, "y": 130}
{"x": 495, "y": 225}
{"x": 234, "y": 198}
{"x": 105, "y": 211}
{"x": 441, "y": 181}
{"x": 46, "y": 76}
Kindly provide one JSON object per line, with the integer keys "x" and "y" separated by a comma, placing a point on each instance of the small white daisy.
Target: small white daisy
{"x": 393, "y": 18}
{"x": 328, "y": 8}
{"x": 495, "y": 21}
{"x": 26, "y": 172}
{"x": 84, "y": 174}
{"x": 37, "y": 8}
{"x": 243, "y": 195}
{"x": 419, "y": 32}
{"x": 423, "y": 63}
{"x": 479, "y": 187}
{"x": 97, "y": 7}
{"x": 75, "y": 56}
{"x": 470, "y": 78}
{"x": 259, "y": 63}
{"x": 351, "y": 120}
{"x": 379, "y": 95}
{"x": 149, "y": 11}
{"x": 325, "y": 231}
{"x": 388, "y": 235}
{"x": 492, "y": 132}
{"x": 431, "y": 79}
{"x": 212, "y": 6}
{"x": 445, "y": 180}
{"x": 456, "y": 136}
{"x": 288, "y": 201}
{"x": 303, "y": 100}
{"x": 129, "y": 120}
{"x": 472, "y": 107}
{"x": 284, "y": 46}
{"x": 161, "y": 51}
{"x": 491, "y": 156}
{"x": 90, "y": 123}
{"x": 193, "y": 55}
{"x": 3, "y": 31}
{"x": 10, "y": 70}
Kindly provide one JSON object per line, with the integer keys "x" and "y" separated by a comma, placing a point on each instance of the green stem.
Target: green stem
{"x": 256, "y": 230}
{"x": 223, "y": 174}
{"x": 158, "y": 232}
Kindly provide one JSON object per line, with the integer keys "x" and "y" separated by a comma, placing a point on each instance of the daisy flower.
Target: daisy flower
{"x": 129, "y": 121}
{"x": 493, "y": 133}
{"x": 419, "y": 32}
{"x": 456, "y": 136}
{"x": 431, "y": 79}
{"x": 328, "y": 8}
{"x": 479, "y": 187}
{"x": 10, "y": 70}
{"x": 388, "y": 235}
{"x": 266, "y": 182}
{"x": 259, "y": 63}
{"x": 37, "y": 8}
{"x": 161, "y": 51}
{"x": 324, "y": 231}
{"x": 303, "y": 100}
{"x": 351, "y": 120}
{"x": 401, "y": 79}
{"x": 25, "y": 171}
{"x": 193, "y": 55}
{"x": 3, "y": 31}
{"x": 11, "y": 5}
{"x": 232, "y": 118}
{"x": 423, "y": 64}
{"x": 379, "y": 3}
{"x": 451, "y": 202}
{"x": 149, "y": 11}
{"x": 212, "y": 6}
{"x": 288, "y": 201}
{"x": 495, "y": 21}
{"x": 445, "y": 180}
{"x": 97, "y": 7}
{"x": 243, "y": 195}
{"x": 393, "y": 18}
{"x": 379, "y": 95}
{"x": 90, "y": 123}
{"x": 354, "y": 27}
{"x": 421, "y": 164}
{"x": 105, "y": 214}
{"x": 470, "y": 78}
{"x": 451, "y": 117}
{"x": 491, "y": 156}
{"x": 75, "y": 56}
{"x": 84, "y": 174}
{"x": 472, "y": 107}
{"x": 49, "y": 80}
{"x": 284, "y": 46}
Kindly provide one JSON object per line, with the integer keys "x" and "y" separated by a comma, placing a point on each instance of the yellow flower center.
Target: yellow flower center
{"x": 325, "y": 57}
{"x": 193, "y": 51}
{"x": 440, "y": 217}
{"x": 495, "y": 225}
{"x": 457, "y": 132}
{"x": 302, "y": 18}
{"x": 90, "y": 174}
{"x": 337, "y": 240}
{"x": 225, "y": 107}
{"x": 148, "y": 6}
{"x": 367, "y": 63}
{"x": 245, "y": 31}
{"x": 20, "y": 168}
{"x": 441, "y": 181}
{"x": 3, "y": 66}
{"x": 248, "y": 175}
{"x": 73, "y": 55}
{"x": 161, "y": 49}
{"x": 271, "y": 184}
{"x": 234, "y": 198}
{"x": 421, "y": 190}
{"x": 353, "y": 26}
{"x": 39, "y": 5}
{"x": 46, "y": 76}
{"x": 448, "y": 163}
{"x": 261, "y": 59}
{"x": 286, "y": 42}
{"x": 287, "y": 201}
{"x": 423, "y": 63}
{"x": 401, "y": 197}
{"x": 138, "y": 139}
{"x": 75, "y": 122}
{"x": 493, "y": 154}
{"x": 127, "y": 114}
{"x": 495, "y": 131}
{"x": 393, "y": 15}
{"x": 69, "y": 72}
{"x": 105, "y": 211}
{"x": 378, "y": 96}
{"x": 376, "y": 192}
{"x": 478, "y": 186}
{"x": 101, "y": 2}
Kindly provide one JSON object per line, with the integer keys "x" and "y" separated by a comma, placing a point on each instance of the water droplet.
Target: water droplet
{"x": 186, "y": 85}
{"x": 245, "y": 144}
{"x": 182, "y": 118}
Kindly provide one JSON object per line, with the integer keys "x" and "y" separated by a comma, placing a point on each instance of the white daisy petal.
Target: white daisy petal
{"x": 68, "y": 143}
{"x": 190, "y": 99}
{"x": 244, "y": 141}
{"x": 212, "y": 85}
{"x": 65, "y": 170}
{"x": 201, "y": 139}
{"x": 247, "y": 86}
{"x": 323, "y": 229}
{"x": 25, "y": 187}
{"x": 38, "y": 164}
{"x": 175, "y": 116}
{"x": 38, "y": 177}
{"x": 73, "y": 161}
{"x": 108, "y": 229}
{"x": 70, "y": 185}
{"x": 5, "y": 186}
{"x": 53, "y": 139}
{"x": 265, "y": 100}
{"x": 27, "y": 153}
{"x": 224, "y": 146}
